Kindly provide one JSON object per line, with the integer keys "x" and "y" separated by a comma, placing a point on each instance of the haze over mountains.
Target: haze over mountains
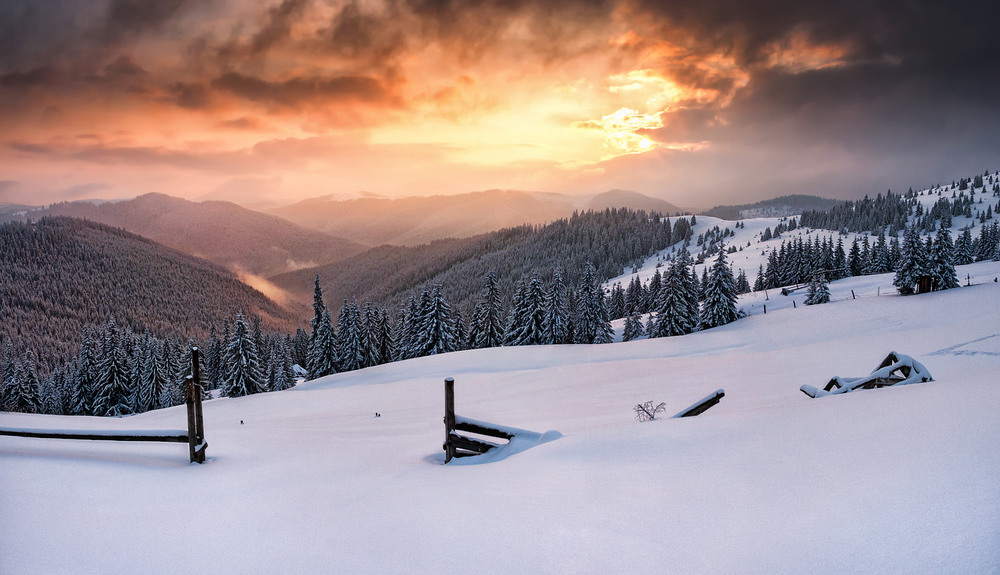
{"x": 242, "y": 240}
{"x": 413, "y": 221}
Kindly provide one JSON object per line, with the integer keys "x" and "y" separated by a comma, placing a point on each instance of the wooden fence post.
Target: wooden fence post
{"x": 199, "y": 420}
{"x": 196, "y": 431}
{"x": 449, "y": 418}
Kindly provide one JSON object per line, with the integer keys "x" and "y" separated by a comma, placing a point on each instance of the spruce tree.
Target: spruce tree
{"x": 913, "y": 262}
{"x": 350, "y": 344}
{"x": 113, "y": 385}
{"x": 152, "y": 378}
{"x": 633, "y": 327}
{"x": 25, "y": 394}
{"x": 487, "y": 326}
{"x": 942, "y": 257}
{"x": 525, "y": 326}
{"x": 323, "y": 348}
{"x": 719, "y": 307}
{"x": 594, "y": 325}
{"x": 321, "y": 325}
{"x": 819, "y": 291}
{"x": 555, "y": 324}
{"x": 434, "y": 331}
{"x": 245, "y": 377}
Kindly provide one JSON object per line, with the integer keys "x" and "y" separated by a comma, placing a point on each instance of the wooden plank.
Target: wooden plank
{"x": 481, "y": 430}
{"x": 469, "y": 444}
{"x": 181, "y": 438}
{"x": 703, "y": 405}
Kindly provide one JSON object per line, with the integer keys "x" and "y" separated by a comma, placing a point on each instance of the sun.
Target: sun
{"x": 645, "y": 143}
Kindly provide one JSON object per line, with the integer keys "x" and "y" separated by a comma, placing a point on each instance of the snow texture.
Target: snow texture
{"x": 308, "y": 481}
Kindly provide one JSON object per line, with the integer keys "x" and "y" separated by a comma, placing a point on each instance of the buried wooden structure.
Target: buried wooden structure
{"x": 703, "y": 405}
{"x": 195, "y": 436}
{"x": 895, "y": 369}
{"x": 456, "y": 445}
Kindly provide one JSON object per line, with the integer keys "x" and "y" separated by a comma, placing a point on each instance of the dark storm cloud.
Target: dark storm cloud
{"x": 305, "y": 89}
{"x": 125, "y": 18}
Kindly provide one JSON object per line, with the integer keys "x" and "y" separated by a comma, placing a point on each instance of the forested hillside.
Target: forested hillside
{"x": 61, "y": 274}
{"x": 774, "y": 208}
{"x": 222, "y": 232}
{"x": 610, "y": 240}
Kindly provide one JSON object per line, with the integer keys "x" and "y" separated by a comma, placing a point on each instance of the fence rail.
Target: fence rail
{"x": 194, "y": 437}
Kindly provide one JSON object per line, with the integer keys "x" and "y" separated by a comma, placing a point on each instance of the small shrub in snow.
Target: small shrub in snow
{"x": 647, "y": 412}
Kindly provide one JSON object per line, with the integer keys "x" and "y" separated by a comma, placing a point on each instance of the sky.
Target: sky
{"x": 698, "y": 103}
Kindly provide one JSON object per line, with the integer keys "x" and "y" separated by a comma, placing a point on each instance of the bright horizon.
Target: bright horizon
{"x": 711, "y": 103}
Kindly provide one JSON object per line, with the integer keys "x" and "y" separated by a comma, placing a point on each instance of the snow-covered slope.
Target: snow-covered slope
{"x": 894, "y": 480}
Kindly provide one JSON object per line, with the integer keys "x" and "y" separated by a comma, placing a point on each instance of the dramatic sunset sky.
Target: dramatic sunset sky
{"x": 696, "y": 102}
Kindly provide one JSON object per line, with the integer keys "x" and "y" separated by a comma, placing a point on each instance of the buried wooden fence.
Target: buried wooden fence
{"x": 456, "y": 445}
{"x": 195, "y": 436}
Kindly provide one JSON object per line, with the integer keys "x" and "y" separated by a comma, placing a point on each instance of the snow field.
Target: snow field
{"x": 894, "y": 480}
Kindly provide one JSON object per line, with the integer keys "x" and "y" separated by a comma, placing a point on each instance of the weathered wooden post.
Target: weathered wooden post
{"x": 196, "y": 431}
{"x": 199, "y": 420}
{"x": 449, "y": 418}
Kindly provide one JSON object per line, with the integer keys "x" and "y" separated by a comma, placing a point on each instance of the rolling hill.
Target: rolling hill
{"x": 60, "y": 274}
{"x": 242, "y": 240}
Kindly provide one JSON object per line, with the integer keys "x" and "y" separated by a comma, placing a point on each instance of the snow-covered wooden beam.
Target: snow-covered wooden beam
{"x": 703, "y": 404}
{"x": 895, "y": 369}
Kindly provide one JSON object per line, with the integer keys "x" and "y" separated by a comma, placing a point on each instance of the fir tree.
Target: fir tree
{"x": 594, "y": 325}
{"x": 245, "y": 377}
{"x": 350, "y": 344}
{"x": 152, "y": 377}
{"x": 435, "y": 330}
{"x": 113, "y": 385}
{"x": 942, "y": 268}
{"x": 320, "y": 351}
{"x": 674, "y": 306}
{"x": 527, "y": 315}
{"x": 633, "y": 327}
{"x": 719, "y": 307}
{"x": 555, "y": 324}
{"x": 487, "y": 328}
{"x": 963, "y": 248}
{"x": 24, "y": 395}
{"x": 322, "y": 358}
{"x": 819, "y": 291}
{"x": 913, "y": 262}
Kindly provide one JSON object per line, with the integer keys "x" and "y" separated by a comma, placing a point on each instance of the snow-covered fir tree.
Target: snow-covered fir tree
{"x": 913, "y": 264}
{"x": 942, "y": 267}
{"x": 633, "y": 327}
{"x": 819, "y": 291}
{"x": 719, "y": 307}
{"x": 351, "y": 348}
{"x": 527, "y": 314}
{"x": 245, "y": 377}
{"x": 21, "y": 392}
{"x": 113, "y": 384}
{"x": 152, "y": 377}
{"x": 434, "y": 328}
{"x": 555, "y": 324}
{"x": 323, "y": 358}
{"x": 487, "y": 326}
{"x": 593, "y": 325}
{"x": 322, "y": 355}
{"x": 677, "y": 300}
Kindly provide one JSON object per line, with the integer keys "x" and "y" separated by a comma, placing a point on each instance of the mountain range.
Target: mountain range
{"x": 242, "y": 240}
{"x": 414, "y": 221}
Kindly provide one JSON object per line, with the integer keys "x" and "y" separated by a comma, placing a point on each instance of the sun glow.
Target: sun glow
{"x": 621, "y": 131}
